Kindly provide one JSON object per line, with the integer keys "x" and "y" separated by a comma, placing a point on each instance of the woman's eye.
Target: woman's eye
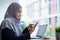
{"x": 19, "y": 12}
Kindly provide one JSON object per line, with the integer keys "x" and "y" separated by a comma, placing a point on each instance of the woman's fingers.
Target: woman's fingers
{"x": 31, "y": 28}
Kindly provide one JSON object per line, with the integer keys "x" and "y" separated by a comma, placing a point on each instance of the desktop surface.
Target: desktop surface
{"x": 51, "y": 38}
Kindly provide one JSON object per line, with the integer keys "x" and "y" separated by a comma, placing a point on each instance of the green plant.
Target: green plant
{"x": 23, "y": 25}
{"x": 57, "y": 29}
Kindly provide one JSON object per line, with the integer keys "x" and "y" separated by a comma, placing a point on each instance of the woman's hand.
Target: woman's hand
{"x": 31, "y": 28}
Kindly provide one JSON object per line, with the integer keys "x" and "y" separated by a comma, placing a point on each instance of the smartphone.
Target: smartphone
{"x": 36, "y": 24}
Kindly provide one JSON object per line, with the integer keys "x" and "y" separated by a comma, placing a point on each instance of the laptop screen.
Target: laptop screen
{"x": 41, "y": 30}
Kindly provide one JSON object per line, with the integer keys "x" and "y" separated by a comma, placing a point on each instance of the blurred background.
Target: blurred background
{"x": 42, "y": 11}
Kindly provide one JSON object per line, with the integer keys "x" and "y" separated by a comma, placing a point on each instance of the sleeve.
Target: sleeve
{"x": 8, "y": 34}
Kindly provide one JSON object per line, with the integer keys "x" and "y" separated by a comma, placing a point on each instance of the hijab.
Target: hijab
{"x": 10, "y": 20}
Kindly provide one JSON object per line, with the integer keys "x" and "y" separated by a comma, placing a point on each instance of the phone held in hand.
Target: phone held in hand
{"x": 36, "y": 24}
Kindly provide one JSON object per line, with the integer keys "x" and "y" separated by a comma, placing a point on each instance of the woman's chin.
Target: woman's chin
{"x": 18, "y": 18}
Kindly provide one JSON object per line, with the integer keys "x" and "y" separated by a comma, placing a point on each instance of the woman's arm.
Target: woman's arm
{"x": 8, "y": 34}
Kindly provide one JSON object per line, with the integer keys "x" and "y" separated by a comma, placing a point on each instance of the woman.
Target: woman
{"x": 11, "y": 28}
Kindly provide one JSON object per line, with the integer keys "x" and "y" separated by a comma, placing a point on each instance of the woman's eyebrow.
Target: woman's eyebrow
{"x": 19, "y": 11}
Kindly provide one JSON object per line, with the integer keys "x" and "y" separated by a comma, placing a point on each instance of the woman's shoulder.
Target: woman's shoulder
{"x": 5, "y": 23}
{"x": 7, "y": 20}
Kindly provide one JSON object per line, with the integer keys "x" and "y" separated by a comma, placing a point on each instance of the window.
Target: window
{"x": 59, "y": 6}
{"x": 56, "y": 20}
{"x": 49, "y": 21}
{"x": 49, "y": 9}
{"x": 49, "y": 0}
{"x": 46, "y": 0}
{"x": 33, "y": 10}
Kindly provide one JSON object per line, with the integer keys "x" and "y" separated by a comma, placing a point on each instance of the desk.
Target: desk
{"x": 52, "y": 38}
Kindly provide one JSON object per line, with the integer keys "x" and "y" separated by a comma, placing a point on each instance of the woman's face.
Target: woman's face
{"x": 18, "y": 14}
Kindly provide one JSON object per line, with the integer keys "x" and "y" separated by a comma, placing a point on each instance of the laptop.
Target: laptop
{"x": 41, "y": 31}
